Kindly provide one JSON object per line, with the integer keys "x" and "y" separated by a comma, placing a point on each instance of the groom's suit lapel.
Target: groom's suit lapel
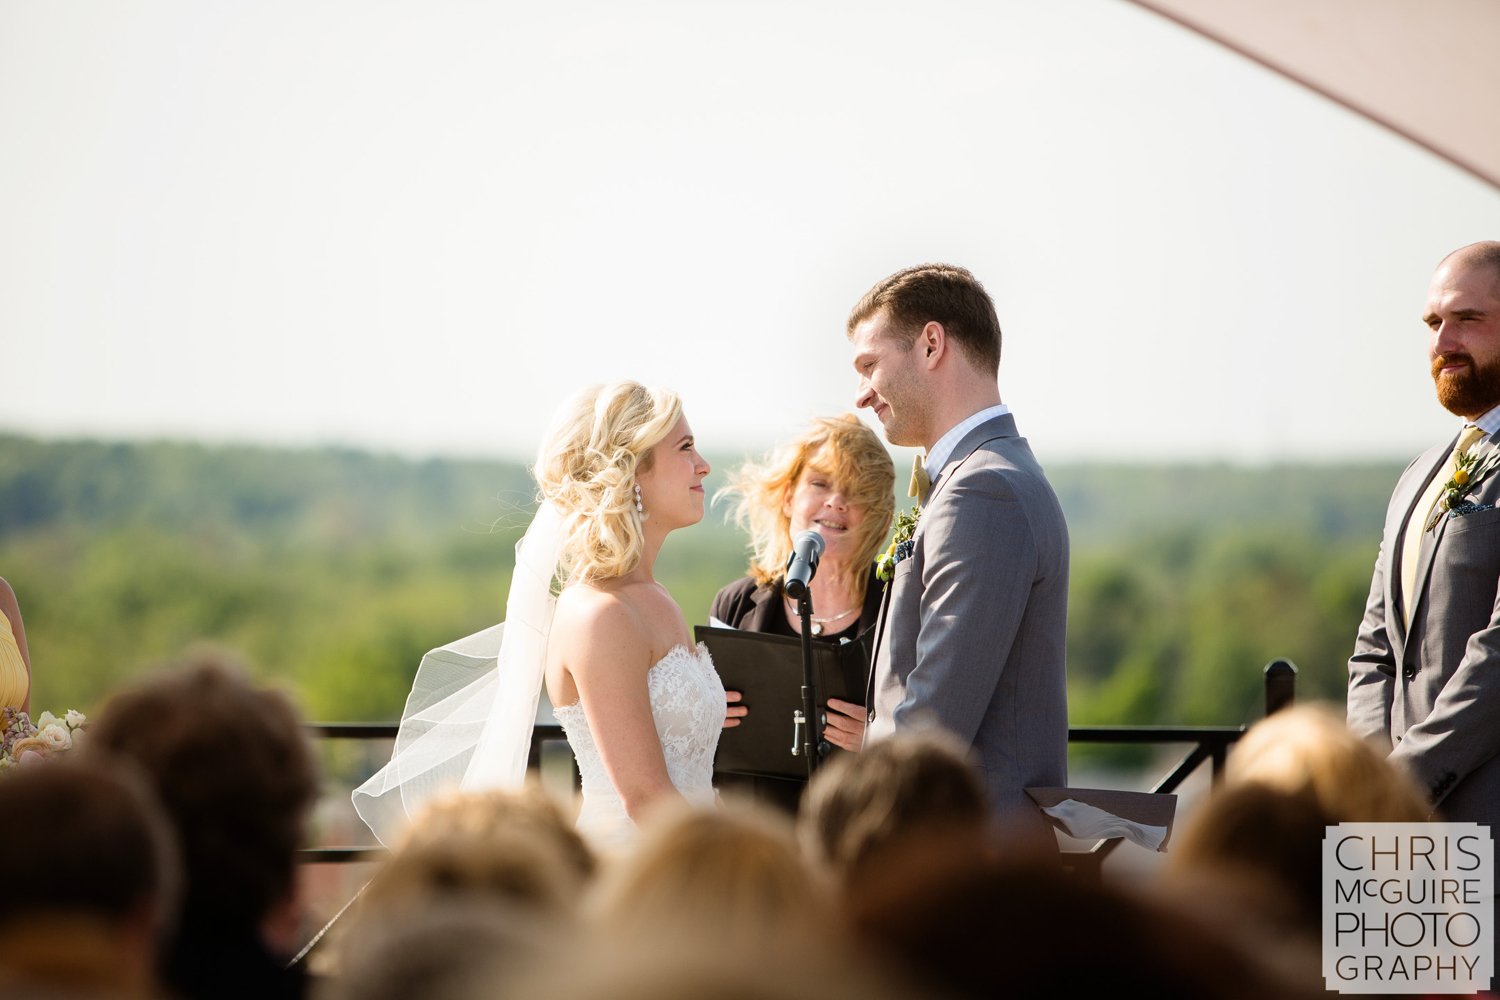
{"x": 1003, "y": 426}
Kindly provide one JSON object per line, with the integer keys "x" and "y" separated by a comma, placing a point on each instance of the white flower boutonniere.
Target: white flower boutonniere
{"x": 1472, "y": 466}
{"x": 901, "y": 543}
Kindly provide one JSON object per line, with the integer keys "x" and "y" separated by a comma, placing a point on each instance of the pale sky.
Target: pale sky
{"x": 415, "y": 225}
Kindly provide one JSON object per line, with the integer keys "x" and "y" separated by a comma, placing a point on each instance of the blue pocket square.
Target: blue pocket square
{"x": 1470, "y": 508}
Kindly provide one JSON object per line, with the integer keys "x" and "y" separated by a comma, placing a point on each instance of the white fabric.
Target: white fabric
{"x": 1079, "y": 819}
{"x": 1426, "y": 71}
{"x": 468, "y": 720}
{"x": 687, "y": 705}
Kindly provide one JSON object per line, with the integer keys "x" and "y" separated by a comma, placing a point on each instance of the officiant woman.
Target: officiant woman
{"x": 835, "y": 479}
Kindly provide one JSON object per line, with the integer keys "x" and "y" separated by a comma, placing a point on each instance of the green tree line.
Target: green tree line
{"x": 332, "y": 570}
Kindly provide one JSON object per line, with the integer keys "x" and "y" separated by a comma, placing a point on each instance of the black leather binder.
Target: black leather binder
{"x": 767, "y": 671}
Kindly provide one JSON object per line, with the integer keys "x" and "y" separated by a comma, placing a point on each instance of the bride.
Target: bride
{"x": 641, "y": 705}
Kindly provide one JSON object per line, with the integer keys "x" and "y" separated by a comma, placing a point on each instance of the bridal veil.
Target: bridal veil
{"x": 469, "y": 718}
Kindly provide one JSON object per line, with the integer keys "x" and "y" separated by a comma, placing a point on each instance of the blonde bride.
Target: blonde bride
{"x": 642, "y": 706}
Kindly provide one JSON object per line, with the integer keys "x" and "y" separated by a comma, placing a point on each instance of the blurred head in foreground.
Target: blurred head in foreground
{"x": 236, "y": 777}
{"x": 730, "y": 878}
{"x": 914, "y": 789}
{"x": 92, "y": 878}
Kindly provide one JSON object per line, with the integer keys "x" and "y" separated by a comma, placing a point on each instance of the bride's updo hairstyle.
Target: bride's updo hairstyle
{"x": 587, "y": 469}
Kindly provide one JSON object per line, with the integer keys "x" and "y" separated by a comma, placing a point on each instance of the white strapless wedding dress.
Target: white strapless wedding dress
{"x": 687, "y": 704}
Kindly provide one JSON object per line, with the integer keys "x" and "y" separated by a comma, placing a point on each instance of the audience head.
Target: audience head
{"x": 662, "y": 967}
{"x": 916, "y": 787}
{"x": 588, "y": 466}
{"x": 235, "y": 775}
{"x": 1310, "y": 748}
{"x": 978, "y": 929}
{"x": 835, "y": 454}
{"x": 446, "y": 948}
{"x": 514, "y": 846}
{"x": 88, "y": 856}
{"x": 1260, "y": 847}
{"x": 730, "y": 878}
{"x": 1249, "y": 859}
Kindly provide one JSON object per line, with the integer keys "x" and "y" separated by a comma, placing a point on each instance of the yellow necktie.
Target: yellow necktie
{"x": 920, "y": 482}
{"x": 1416, "y": 525}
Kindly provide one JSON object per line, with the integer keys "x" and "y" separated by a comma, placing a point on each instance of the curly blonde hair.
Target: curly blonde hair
{"x": 841, "y": 446}
{"x": 740, "y": 862}
{"x": 587, "y": 468}
{"x": 1310, "y": 748}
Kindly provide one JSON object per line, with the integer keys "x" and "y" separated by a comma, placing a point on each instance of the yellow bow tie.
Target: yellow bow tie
{"x": 921, "y": 483}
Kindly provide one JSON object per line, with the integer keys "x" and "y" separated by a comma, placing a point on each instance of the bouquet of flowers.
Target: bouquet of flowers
{"x": 23, "y": 741}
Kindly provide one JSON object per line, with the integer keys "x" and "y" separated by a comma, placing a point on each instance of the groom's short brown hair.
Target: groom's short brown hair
{"x": 945, "y": 293}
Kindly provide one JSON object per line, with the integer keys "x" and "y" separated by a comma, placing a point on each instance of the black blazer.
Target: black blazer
{"x": 744, "y": 604}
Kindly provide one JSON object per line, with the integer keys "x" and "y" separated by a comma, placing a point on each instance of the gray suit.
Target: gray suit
{"x": 973, "y": 636}
{"x": 1434, "y": 695}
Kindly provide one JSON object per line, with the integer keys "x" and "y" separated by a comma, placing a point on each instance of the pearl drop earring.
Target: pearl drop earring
{"x": 638, "y": 507}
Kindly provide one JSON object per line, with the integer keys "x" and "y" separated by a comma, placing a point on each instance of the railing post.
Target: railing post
{"x": 1281, "y": 685}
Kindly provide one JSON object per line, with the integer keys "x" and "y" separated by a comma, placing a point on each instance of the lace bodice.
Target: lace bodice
{"x": 687, "y": 705}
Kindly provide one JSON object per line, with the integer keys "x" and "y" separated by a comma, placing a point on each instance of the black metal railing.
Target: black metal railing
{"x": 1207, "y": 744}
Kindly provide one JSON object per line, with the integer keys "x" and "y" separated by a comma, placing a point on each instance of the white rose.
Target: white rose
{"x": 75, "y": 718}
{"x": 56, "y": 737}
{"x": 44, "y": 720}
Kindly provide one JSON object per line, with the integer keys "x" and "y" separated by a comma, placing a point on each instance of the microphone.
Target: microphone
{"x": 807, "y": 549}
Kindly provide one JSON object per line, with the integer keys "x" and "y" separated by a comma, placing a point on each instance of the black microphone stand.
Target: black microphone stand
{"x": 813, "y": 746}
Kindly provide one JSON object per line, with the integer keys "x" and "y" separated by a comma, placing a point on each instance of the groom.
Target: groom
{"x": 972, "y": 637}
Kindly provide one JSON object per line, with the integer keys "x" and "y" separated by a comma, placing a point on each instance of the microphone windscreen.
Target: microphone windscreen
{"x": 810, "y": 541}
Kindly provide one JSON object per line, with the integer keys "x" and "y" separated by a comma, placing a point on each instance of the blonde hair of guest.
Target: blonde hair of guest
{"x": 511, "y": 844}
{"x": 739, "y": 863}
{"x": 850, "y": 453}
{"x": 1310, "y": 747}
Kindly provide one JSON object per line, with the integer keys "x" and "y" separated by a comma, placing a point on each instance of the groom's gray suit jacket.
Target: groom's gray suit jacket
{"x": 1433, "y": 693}
{"x": 973, "y": 636}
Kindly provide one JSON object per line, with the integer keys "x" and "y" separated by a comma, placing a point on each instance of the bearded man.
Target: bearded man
{"x": 1425, "y": 675}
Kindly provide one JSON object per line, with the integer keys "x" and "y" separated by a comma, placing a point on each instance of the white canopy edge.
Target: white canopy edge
{"x": 1428, "y": 70}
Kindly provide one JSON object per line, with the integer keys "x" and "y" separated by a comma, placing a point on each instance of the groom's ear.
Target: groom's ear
{"x": 932, "y": 342}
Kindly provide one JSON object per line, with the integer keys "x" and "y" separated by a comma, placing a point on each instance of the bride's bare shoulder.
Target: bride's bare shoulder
{"x": 590, "y": 619}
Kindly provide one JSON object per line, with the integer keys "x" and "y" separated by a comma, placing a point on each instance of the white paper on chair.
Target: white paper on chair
{"x": 1143, "y": 818}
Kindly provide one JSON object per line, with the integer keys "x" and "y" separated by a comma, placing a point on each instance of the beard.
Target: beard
{"x": 1470, "y": 392}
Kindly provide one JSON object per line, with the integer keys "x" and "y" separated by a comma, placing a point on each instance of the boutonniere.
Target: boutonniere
{"x": 901, "y": 543}
{"x": 1472, "y": 466}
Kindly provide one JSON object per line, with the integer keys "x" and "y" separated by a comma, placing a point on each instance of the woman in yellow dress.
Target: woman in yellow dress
{"x": 15, "y": 659}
